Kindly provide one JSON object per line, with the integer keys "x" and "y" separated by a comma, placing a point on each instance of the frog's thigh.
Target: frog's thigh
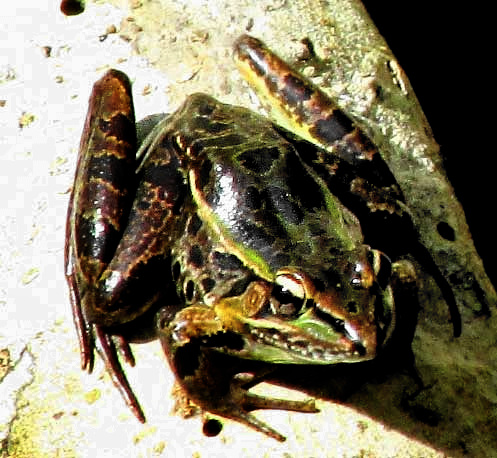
{"x": 139, "y": 270}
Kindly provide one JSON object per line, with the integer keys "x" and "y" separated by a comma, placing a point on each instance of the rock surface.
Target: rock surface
{"x": 48, "y": 407}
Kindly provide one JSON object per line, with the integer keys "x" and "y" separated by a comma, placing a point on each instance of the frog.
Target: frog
{"x": 241, "y": 243}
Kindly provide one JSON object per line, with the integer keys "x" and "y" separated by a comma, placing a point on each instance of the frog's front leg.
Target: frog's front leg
{"x": 117, "y": 229}
{"x": 194, "y": 340}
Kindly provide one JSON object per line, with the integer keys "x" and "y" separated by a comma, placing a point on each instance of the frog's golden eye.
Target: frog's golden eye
{"x": 283, "y": 303}
{"x": 287, "y": 296}
{"x": 292, "y": 285}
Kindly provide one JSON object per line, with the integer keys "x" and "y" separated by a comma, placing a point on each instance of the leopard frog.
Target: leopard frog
{"x": 235, "y": 236}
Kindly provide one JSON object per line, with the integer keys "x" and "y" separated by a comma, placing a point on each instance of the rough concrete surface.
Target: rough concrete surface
{"x": 48, "y": 406}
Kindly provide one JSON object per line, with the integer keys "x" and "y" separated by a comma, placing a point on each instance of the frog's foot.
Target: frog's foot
{"x": 239, "y": 402}
{"x": 194, "y": 343}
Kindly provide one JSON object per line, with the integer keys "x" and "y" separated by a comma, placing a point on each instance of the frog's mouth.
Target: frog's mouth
{"x": 307, "y": 340}
{"x": 315, "y": 333}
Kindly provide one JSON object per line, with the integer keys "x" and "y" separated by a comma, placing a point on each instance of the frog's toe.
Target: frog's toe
{"x": 107, "y": 350}
{"x": 240, "y": 402}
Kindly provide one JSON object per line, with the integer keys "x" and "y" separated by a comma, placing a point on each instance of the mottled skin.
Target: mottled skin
{"x": 346, "y": 158}
{"x": 245, "y": 236}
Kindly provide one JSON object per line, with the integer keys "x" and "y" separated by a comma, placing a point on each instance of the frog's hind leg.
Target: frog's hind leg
{"x": 97, "y": 212}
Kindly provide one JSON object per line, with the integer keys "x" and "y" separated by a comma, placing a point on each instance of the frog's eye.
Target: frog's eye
{"x": 287, "y": 297}
{"x": 365, "y": 272}
{"x": 361, "y": 277}
{"x": 382, "y": 267}
{"x": 292, "y": 285}
{"x": 356, "y": 282}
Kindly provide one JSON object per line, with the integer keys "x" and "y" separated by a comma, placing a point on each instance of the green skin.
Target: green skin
{"x": 267, "y": 263}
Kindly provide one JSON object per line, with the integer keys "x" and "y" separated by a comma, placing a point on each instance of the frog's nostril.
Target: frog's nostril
{"x": 352, "y": 307}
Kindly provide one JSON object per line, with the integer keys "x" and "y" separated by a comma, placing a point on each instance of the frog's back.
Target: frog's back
{"x": 250, "y": 184}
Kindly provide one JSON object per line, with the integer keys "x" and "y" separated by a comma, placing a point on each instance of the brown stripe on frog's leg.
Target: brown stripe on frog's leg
{"x": 131, "y": 283}
{"x": 108, "y": 146}
{"x": 105, "y": 169}
{"x": 298, "y": 105}
{"x": 98, "y": 209}
{"x": 303, "y": 109}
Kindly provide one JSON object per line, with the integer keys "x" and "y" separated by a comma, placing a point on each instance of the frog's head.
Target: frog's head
{"x": 303, "y": 319}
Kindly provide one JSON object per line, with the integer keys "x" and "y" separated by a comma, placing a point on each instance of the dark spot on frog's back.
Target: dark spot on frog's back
{"x": 226, "y": 261}
{"x": 255, "y": 236}
{"x": 189, "y": 290}
{"x": 194, "y": 224}
{"x": 165, "y": 173}
{"x": 282, "y": 204}
{"x": 302, "y": 186}
{"x": 253, "y": 199}
{"x": 259, "y": 160}
{"x": 208, "y": 284}
{"x": 196, "y": 257}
